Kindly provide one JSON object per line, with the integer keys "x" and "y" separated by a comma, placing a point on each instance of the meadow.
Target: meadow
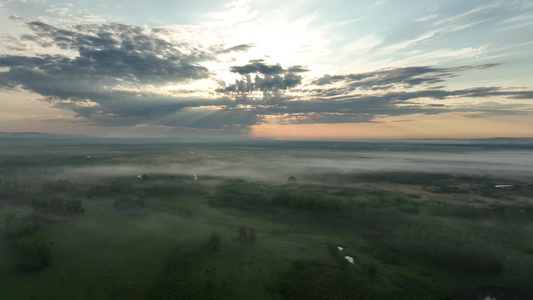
{"x": 264, "y": 220}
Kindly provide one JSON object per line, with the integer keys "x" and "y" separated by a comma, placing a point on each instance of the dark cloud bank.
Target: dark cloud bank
{"x": 105, "y": 83}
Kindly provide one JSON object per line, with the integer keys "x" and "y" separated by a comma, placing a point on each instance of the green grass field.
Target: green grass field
{"x": 185, "y": 241}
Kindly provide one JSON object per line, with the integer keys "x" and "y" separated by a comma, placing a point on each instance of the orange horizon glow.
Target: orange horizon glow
{"x": 442, "y": 126}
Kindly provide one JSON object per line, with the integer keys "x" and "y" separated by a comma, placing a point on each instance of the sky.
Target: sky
{"x": 338, "y": 69}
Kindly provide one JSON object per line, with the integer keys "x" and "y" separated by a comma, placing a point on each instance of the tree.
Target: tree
{"x": 253, "y": 237}
{"x": 243, "y": 235}
{"x": 286, "y": 288}
{"x": 73, "y": 206}
{"x": 57, "y": 205}
{"x": 214, "y": 242}
{"x": 19, "y": 226}
{"x": 518, "y": 269}
{"x": 39, "y": 205}
{"x": 33, "y": 252}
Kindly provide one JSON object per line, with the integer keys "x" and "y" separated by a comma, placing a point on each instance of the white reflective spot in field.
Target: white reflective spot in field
{"x": 349, "y": 258}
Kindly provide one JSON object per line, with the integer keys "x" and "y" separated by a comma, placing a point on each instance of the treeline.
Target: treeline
{"x": 14, "y": 187}
{"x": 240, "y": 194}
{"x": 60, "y": 185}
{"x": 244, "y": 195}
{"x": 314, "y": 201}
{"x": 58, "y": 205}
{"x": 467, "y": 250}
{"x": 115, "y": 187}
{"x": 147, "y": 186}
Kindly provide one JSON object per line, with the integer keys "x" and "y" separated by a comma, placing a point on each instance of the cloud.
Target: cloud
{"x": 519, "y": 21}
{"x": 270, "y": 80}
{"x": 427, "y": 18}
{"x": 406, "y": 77}
{"x": 123, "y": 75}
{"x": 114, "y": 68}
{"x": 15, "y": 18}
{"x": 239, "y": 48}
{"x": 111, "y": 52}
{"x": 406, "y": 44}
{"x": 258, "y": 67}
{"x": 298, "y": 69}
{"x": 436, "y": 26}
{"x": 272, "y": 88}
{"x": 61, "y": 10}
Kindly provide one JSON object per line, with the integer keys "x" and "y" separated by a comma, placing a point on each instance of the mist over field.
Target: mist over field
{"x": 272, "y": 164}
{"x": 280, "y": 150}
{"x": 265, "y": 219}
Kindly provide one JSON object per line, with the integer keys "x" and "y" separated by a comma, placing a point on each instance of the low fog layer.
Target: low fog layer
{"x": 275, "y": 165}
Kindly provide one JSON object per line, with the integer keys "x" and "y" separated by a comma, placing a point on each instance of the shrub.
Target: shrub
{"x": 73, "y": 206}
{"x": 39, "y": 205}
{"x": 243, "y": 235}
{"x": 213, "y": 244}
{"x": 372, "y": 269}
{"x": 518, "y": 269}
{"x": 33, "y": 252}
{"x": 17, "y": 227}
{"x": 57, "y": 206}
{"x": 452, "y": 246}
{"x": 286, "y": 288}
{"x": 252, "y": 236}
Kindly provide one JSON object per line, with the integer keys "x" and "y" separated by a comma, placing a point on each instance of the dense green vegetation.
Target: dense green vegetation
{"x": 399, "y": 241}
{"x": 57, "y": 206}
{"x": 480, "y": 185}
{"x": 31, "y": 248}
{"x": 170, "y": 236}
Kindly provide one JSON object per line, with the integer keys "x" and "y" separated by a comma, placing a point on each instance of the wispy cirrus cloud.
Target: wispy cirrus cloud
{"x": 444, "y": 25}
